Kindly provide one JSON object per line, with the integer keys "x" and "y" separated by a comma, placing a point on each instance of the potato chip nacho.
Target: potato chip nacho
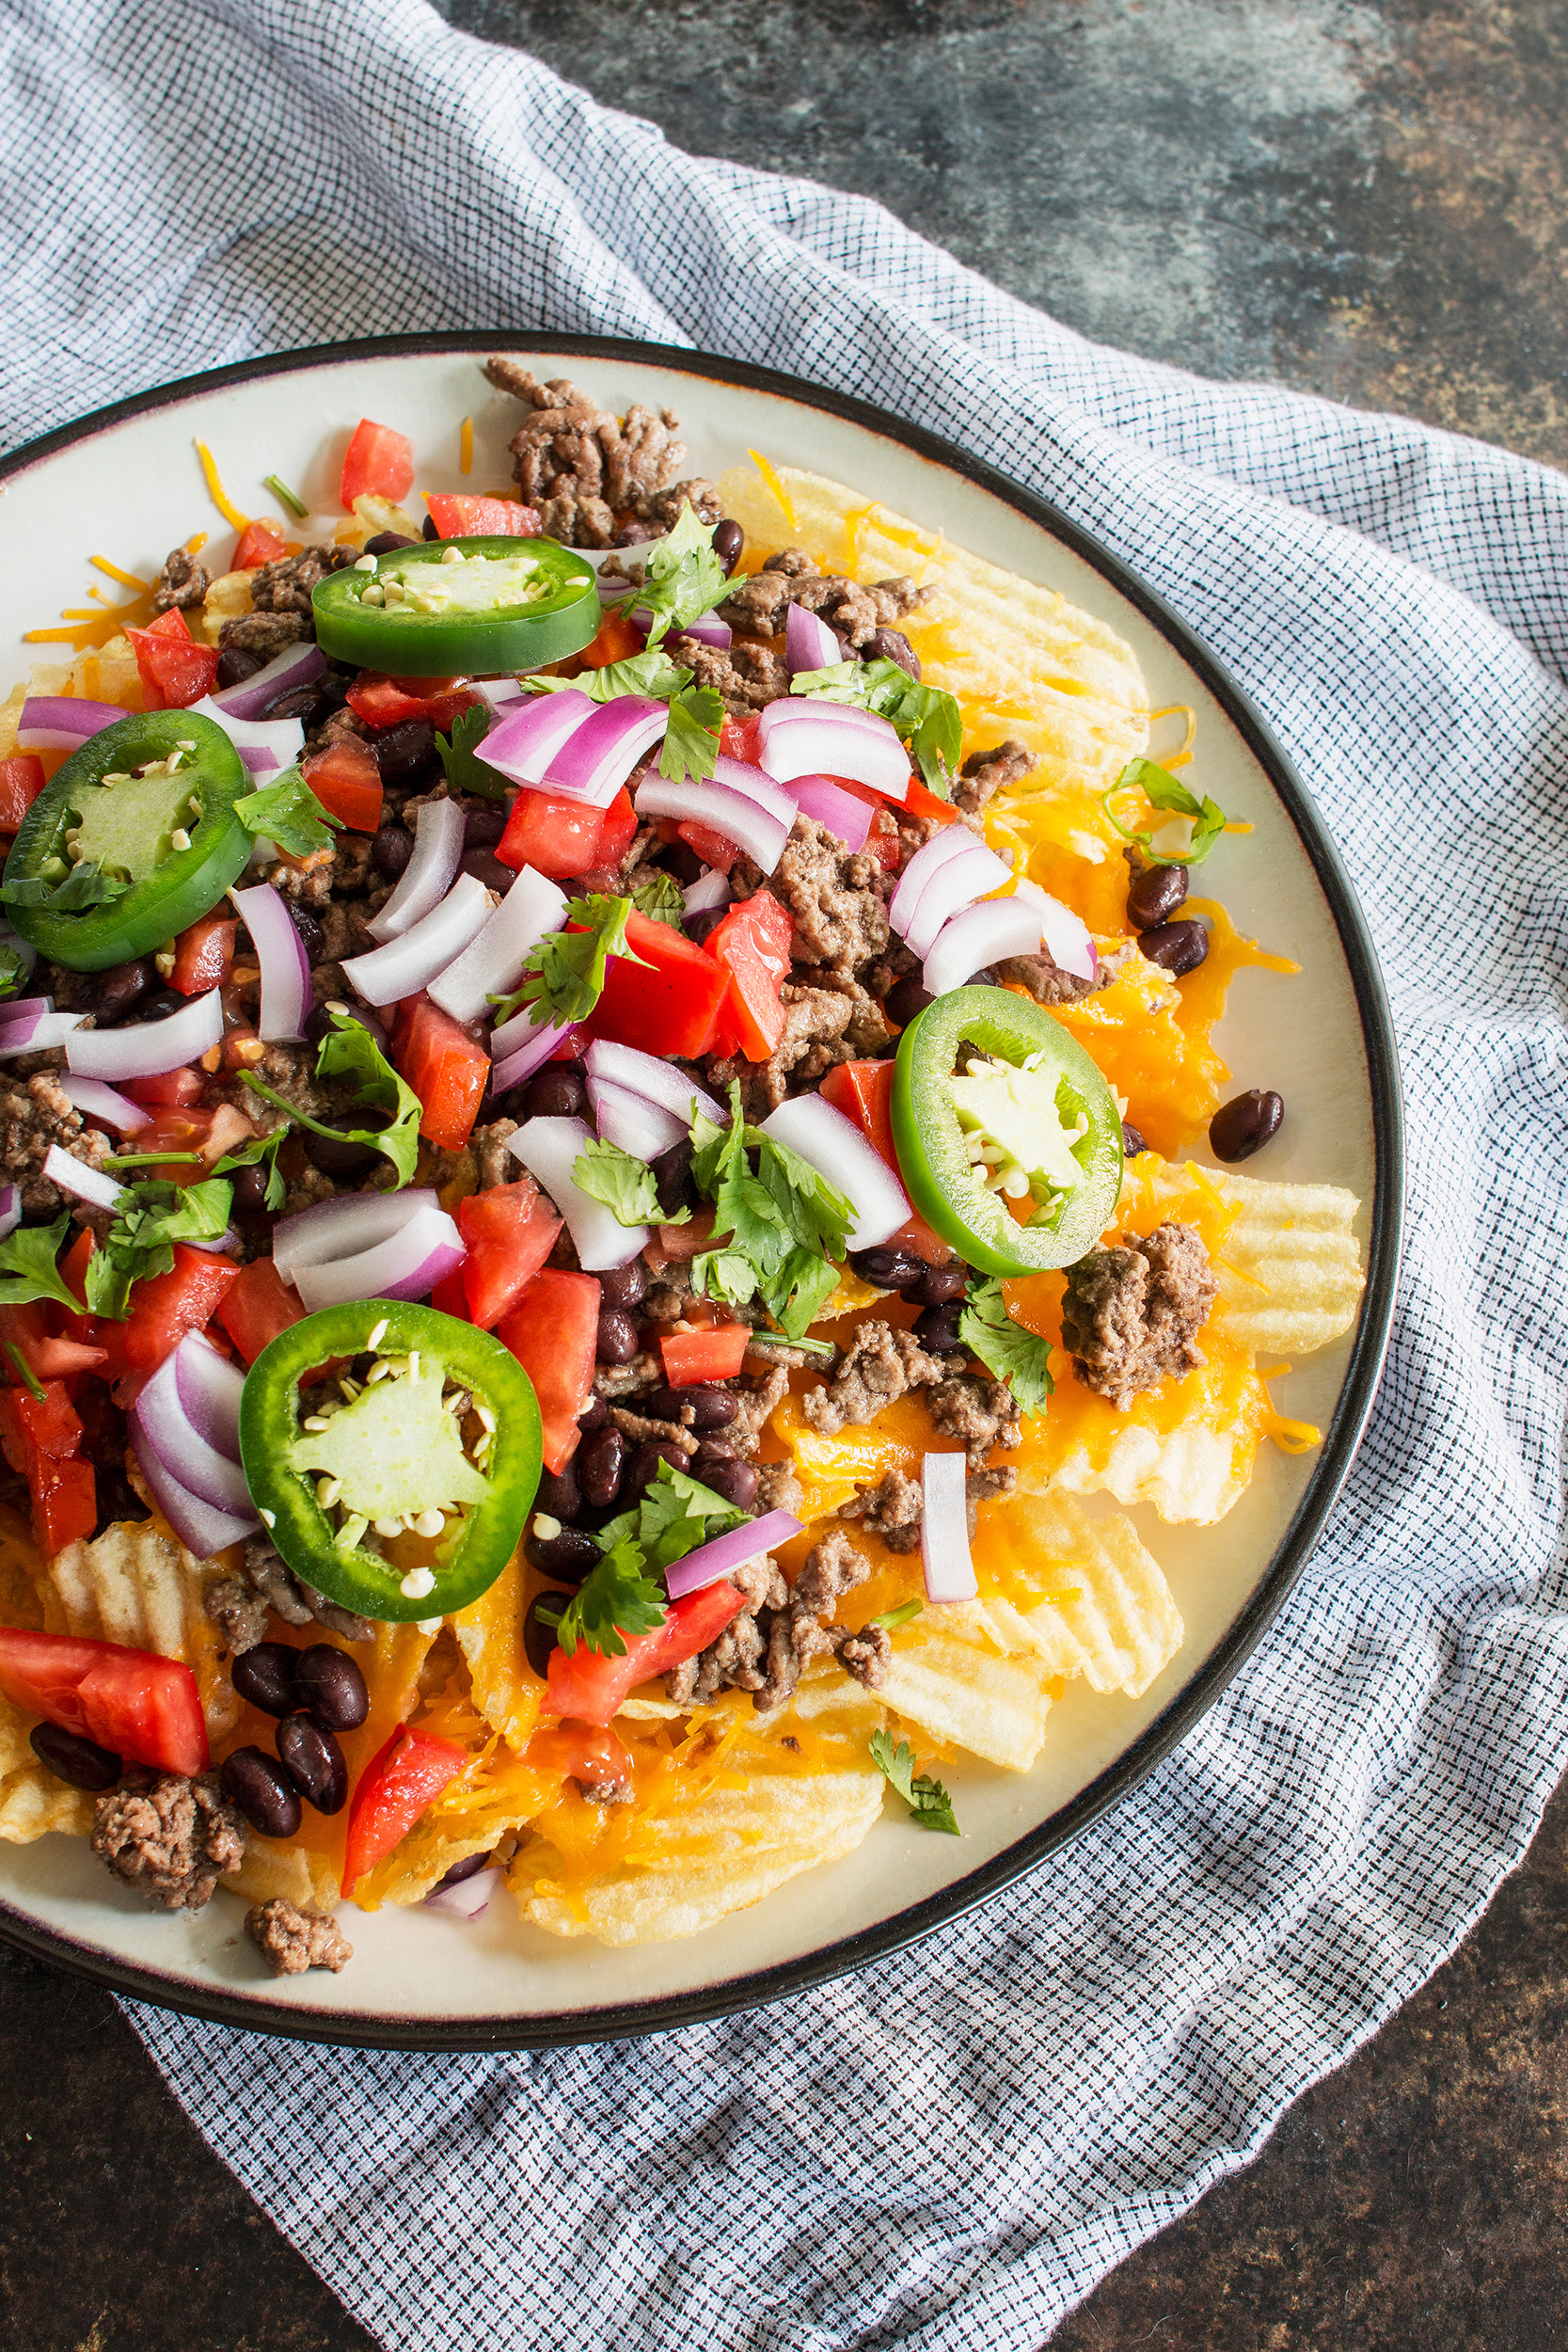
{"x": 620, "y": 1222}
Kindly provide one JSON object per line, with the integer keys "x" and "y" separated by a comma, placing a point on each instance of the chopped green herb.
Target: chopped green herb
{"x": 1165, "y": 792}
{"x": 926, "y": 717}
{"x": 24, "y": 1372}
{"x": 150, "y": 1220}
{"x": 784, "y": 1224}
{"x": 13, "y": 971}
{"x": 70, "y": 892}
{"x": 624, "y": 1184}
{"x": 563, "y": 975}
{"x": 677, "y": 1515}
{"x": 926, "y": 1799}
{"x": 460, "y": 765}
{"x": 28, "y": 1267}
{"x": 288, "y": 813}
{"x": 260, "y": 1151}
{"x": 692, "y": 734}
{"x": 660, "y": 899}
{"x": 290, "y": 498}
{"x": 349, "y": 1051}
{"x": 1007, "y": 1351}
{"x": 684, "y": 578}
{"x": 615, "y": 1597}
{"x": 905, "y": 1613}
{"x": 652, "y": 675}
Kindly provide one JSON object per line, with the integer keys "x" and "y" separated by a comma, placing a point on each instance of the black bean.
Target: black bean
{"x": 642, "y": 1469}
{"x": 250, "y": 1191}
{"x": 599, "y": 1460}
{"x": 485, "y": 866}
{"x": 617, "y": 1340}
{"x": 405, "y": 752}
{"x": 569, "y": 1555}
{"x": 890, "y": 644}
{"x": 1179, "y": 946}
{"x": 257, "y": 1786}
{"x": 632, "y": 535}
{"x": 559, "y": 1492}
{"x": 484, "y": 827}
{"x": 321, "y": 1024}
{"x": 391, "y": 851}
{"x": 593, "y": 1415}
{"x": 1132, "y": 1139}
{"x": 906, "y": 998}
{"x": 235, "y": 666}
{"x": 711, "y": 1409}
{"x": 314, "y": 1762}
{"x": 1242, "y": 1127}
{"x": 557, "y": 1092}
{"x": 735, "y": 1480}
{"x": 728, "y": 541}
{"x": 681, "y": 861}
{"x": 539, "y": 1639}
{"x": 80, "y": 1762}
{"x": 937, "y": 1329}
{"x": 673, "y": 1178}
{"x": 625, "y": 1285}
{"x": 987, "y": 976}
{"x": 162, "y": 1002}
{"x": 384, "y": 541}
{"x": 114, "y": 995}
{"x": 938, "y": 1285}
{"x": 331, "y": 1685}
{"x": 298, "y": 701}
{"x": 430, "y": 529}
{"x": 265, "y": 1676}
{"x": 702, "y": 924}
{"x": 1155, "y": 895}
{"x": 471, "y": 1864}
{"x": 885, "y": 1269}
{"x": 311, "y": 936}
{"x": 336, "y": 1154}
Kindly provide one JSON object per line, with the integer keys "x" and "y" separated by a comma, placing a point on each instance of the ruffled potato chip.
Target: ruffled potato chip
{"x": 1290, "y": 1277}
{"x": 136, "y": 1585}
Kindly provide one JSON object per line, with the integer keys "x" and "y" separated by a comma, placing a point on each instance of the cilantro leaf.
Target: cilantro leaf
{"x": 1164, "y": 791}
{"x": 460, "y": 765}
{"x": 77, "y": 887}
{"x": 149, "y": 1220}
{"x": 905, "y": 1613}
{"x": 624, "y": 1184}
{"x": 13, "y": 971}
{"x": 784, "y": 1223}
{"x": 660, "y": 899}
{"x": 563, "y": 975}
{"x": 677, "y": 1515}
{"x": 1007, "y": 1351}
{"x": 615, "y": 1598}
{"x": 288, "y": 813}
{"x": 651, "y": 673}
{"x": 926, "y": 1799}
{"x": 926, "y": 717}
{"x": 260, "y": 1151}
{"x": 684, "y": 578}
{"x": 349, "y": 1051}
{"x": 27, "y": 1268}
{"x": 691, "y": 736}
{"x": 725, "y": 1275}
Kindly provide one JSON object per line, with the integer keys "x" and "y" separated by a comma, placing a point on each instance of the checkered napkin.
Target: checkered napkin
{"x": 948, "y": 2149}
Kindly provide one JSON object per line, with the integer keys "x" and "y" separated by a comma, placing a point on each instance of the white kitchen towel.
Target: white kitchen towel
{"x": 947, "y": 2149}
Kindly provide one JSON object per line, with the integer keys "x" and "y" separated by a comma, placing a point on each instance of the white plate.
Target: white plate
{"x": 126, "y": 485}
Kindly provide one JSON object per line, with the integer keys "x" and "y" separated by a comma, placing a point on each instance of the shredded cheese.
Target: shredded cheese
{"x": 215, "y": 490}
{"x": 770, "y": 477}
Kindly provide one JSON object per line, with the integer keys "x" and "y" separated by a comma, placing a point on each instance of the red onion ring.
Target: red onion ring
{"x": 210, "y": 1387}
{"x": 10, "y": 1209}
{"x": 521, "y": 1048}
{"x": 149, "y": 1048}
{"x": 95, "y": 1100}
{"x": 954, "y": 886}
{"x": 841, "y": 812}
{"x": 809, "y": 643}
{"x": 83, "y": 1183}
{"x": 930, "y": 859}
{"x": 710, "y": 1561}
{"x": 708, "y": 891}
{"x": 835, "y": 1147}
{"x": 597, "y": 757}
{"x": 808, "y": 737}
{"x": 36, "y": 1031}
{"x": 201, "y": 1527}
{"x": 1066, "y": 939}
{"x": 733, "y": 814}
{"x": 263, "y": 744}
{"x": 60, "y": 723}
{"x": 656, "y": 1081}
{"x": 550, "y": 1149}
{"x": 468, "y": 1898}
{"x": 348, "y": 1223}
{"x": 980, "y": 935}
{"x": 407, "y": 1264}
{"x": 286, "y": 994}
{"x": 212, "y": 1476}
{"x": 526, "y": 739}
{"x": 643, "y": 1128}
{"x": 738, "y": 775}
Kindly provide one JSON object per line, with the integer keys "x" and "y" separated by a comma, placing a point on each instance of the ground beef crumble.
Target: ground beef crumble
{"x": 35, "y": 1113}
{"x": 291, "y": 1941}
{"x": 181, "y": 585}
{"x": 239, "y": 1605}
{"x": 586, "y": 469}
{"x": 879, "y": 1365}
{"x": 980, "y": 1413}
{"x": 986, "y": 773}
{"x": 1132, "y": 1314}
{"x": 747, "y": 677}
{"x": 168, "y": 1837}
{"x": 758, "y": 607}
{"x": 895, "y": 1506}
{"x": 840, "y": 920}
{"x": 765, "y": 1649}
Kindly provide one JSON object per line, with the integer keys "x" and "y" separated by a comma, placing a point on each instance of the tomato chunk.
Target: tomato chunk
{"x": 752, "y": 945}
{"x": 169, "y": 1086}
{"x": 553, "y": 1332}
{"x": 554, "y": 837}
{"x": 668, "y": 1003}
{"x": 145, "y": 1708}
{"x": 257, "y": 1305}
{"x": 386, "y": 702}
{"x": 163, "y": 1307}
{"x": 457, "y": 516}
{"x": 377, "y": 463}
{"x": 396, "y": 1788}
{"x": 20, "y": 782}
{"x": 588, "y": 1752}
{"x": 715, "y": 1352}
{"x": 347, "y": 782}
{"x": 588, "y": 1687}
{"x": 616, "y": 641}
{"x": 259, "y": 543}
{"x": 41, "y": 1438}
{"x": 620, "y": 825}
{"x": 174, "y": 673}
{"x": 447, "y": 1070}
{"x": 203, "y": 956}
{"x": 509, "y": 1232}
{"x": 46, "y": 1355}
{"x": 738, "y": 738}
{"x": 714, "y": 849}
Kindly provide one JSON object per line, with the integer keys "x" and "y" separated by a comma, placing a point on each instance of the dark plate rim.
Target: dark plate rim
{"x": 752, "y": 1990}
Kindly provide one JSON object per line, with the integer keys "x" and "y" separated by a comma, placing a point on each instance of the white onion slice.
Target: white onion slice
{"x": 285, "y": 966}
{"x": 928, "y": 860}
{"x": 428, "y": 875}
{"x": 944, "y": 1553}
{"x": 806, "y": 737}
{"x": 296, "y": 665}
{"x": 210, "y": 1387}
{"x": 499, "y": 695}
{"x": 201, "y": 1527}
{"x": 526, "y": 1049}
{"x": 656, "y": 1081}
{"x": 954, "y": 886}
{"x": 710, "y": 1561}
{"x": 550, "y": 1149}
{"x": 75, "y": 1177}
{"x": 597, "y": 758}
{"x": 407, "y": 1264}
{"x": 710, "y": 891}
{"x": 95, "y": 1100}
{"x": 741, "y": 776}
{"x": 37, "y": 1031}
{"x": 980, "y": 935}
{"x": 10, "y": 1209}
{"x": 343, "y": 1226}
{"x": 149, "y": 1048}
{"x": 528, "y": 738}
{"x": 283, "y": 739}
{"x": 212, "y": 1476}
{"x": 835, "y": 1147}
{"x": 809, "y": 643}
{"x": 840, "y": 811}
{"x": 733, "y": 814}
{"x": 643, "y": 1128}
{"x": 469, "y": 1899}
{"x": 493, "y": 961}
{"x": 1065, "y": 939}
{"x": 386, "y": 975}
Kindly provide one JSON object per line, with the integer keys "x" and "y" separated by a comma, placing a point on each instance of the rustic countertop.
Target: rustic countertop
{"x": 1365, "y": 202}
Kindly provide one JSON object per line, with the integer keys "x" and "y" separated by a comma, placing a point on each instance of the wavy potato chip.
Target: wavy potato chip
{"x": 298, "y": 1873}
{"x": 137, "y": 1585}
{"x": 1291, "y": 1278}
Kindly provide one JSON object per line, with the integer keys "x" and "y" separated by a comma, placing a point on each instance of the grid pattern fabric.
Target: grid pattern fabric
{"x": 949, "y": 2149}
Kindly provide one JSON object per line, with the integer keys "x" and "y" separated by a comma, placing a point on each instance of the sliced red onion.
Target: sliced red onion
{"x": 596, "y": 758}
{"x": 499, "y": 695}
{"x": 24, "y": 1008}
{"x": 10, "y": 1209}
{"x": 928, "y": 861}
{"x": 739, "y": 775}
{"x": 641, "y": 1127}
{"x": 213, "y": 1477}
{"x": 286, "y": 994}
{"x": 840, "y": 811}
{"x": 201, "y": 1527}
{"x": 407, "y": 1264}
{"x": 804, "y": 736}
{"x": 429, "y": 873}
{"x": 710, "y": 1561}
{"x": 150, "y": 1047}
{"x": 708, "y": 630}
{"x": 945, "y": 1529}
{"x": 35, "y": 1032}
{"x": 210, "y": 1387}
{"x": 529, "y": 738}
{"x": 1065, "y": 939}
{"x": 296, "y": 665}
{"x": 493, "y": 961}
{"x": 550, "y": 1149}
{"x": 263, "y": 744}
{"x": 809, "y": 643}
{"x": 386, "y": 975}
{"x": 342, "y": 1227}
{"x": 656, "y": 1081}
{"x": 59, "y": 723}
{"x": 217, "y": 1242}
{"x": 467, "y": 1899}
{"x": 710, "y": 890}
{"x": 520, "y": 1049}
{"x": 733, "y": 814}
{"x": 951, "y": 888}
{"x": 835, "y": 1147}
{"x": 82, "y": 1181}
{"x": 94, "y": 1100}
{"x": 980, "y": 935}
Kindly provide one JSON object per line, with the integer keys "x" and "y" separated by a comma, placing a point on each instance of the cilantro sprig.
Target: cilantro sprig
{"x": 615, "y": 1597}
{"x": 626, "y": 1185}
{"x": 676, "y": 1514}
{"x": 1007, "y": 1351}
{"x": 926, "y": 1799}
{"x": 1165, "y": 791}
{"x": 660, "y": 899}
{"x": 150, "y": 1219}
{"x": 260, "y": 1151}
{"x": 349, "y": 1051}
{"x": 564, "y": 975}
{"x": 69, "y": 892}
{"x": 926, "y": 717}
{"x": 460, "y": 765}
{"x": 696, "y": 712}
{"x": 783, "y": 1222}
{"x": 28, "y": 1267}
{"x": 288, "y": 813}
{"x": 682, "y": 578}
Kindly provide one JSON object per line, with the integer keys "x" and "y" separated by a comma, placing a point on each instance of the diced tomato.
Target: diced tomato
{"x": 448, "y": 1072}
{"x": 257, "y": 1305}
{"x": 919, "y": 803}
{"x": 588, "y": 1687}
{"x": 457, "y": 516}
{"x": 616, "y": 641}
{"x": 449, "y": 1297}
{"x": 553, "y": 1332}
{"x": 169, "y": 1086}
{"x": 386, "y": 702}
{"x": 41, "y": 1436}
{"x": 668, "y": 1003}
{"x": 397, "y": 1787}
{"x": 737, "y": 737}
{"x": 47, "y": 1354}
{"x": 259, "y": 543}
{"x": 752, "y": 943}
{"x": 377, "y": 463}
{"x": 177, "y": 1131}
{"x": 203, "y": 956}
{"x": 620, "y": 825}
{"x": 347, "y": 782}
{"x": 862, "y": 1091}
{"x": 20, "y": 782}
{"x": 174, "y": 673}
{"x": 714, "y": 849}
{"x": 574, "y": 1044}
{"x": 882, "y": 842}
{"x": 714, "y": 1354}
{"x": 145, "y": 1708}
{"x": 163, "y": 1307}
{"x": 554, "y": 837}
{"x": 508, "y": 1231}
